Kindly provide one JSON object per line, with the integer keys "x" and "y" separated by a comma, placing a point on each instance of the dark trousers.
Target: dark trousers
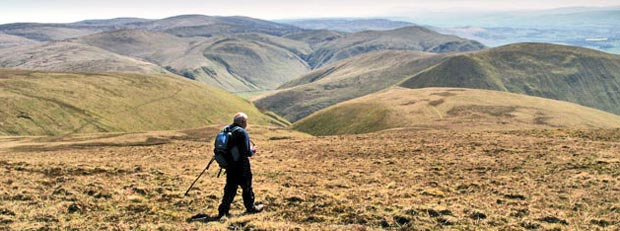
{"x": 234, "y": 178}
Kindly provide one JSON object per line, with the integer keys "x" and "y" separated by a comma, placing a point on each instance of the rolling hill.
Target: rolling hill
{"x": 407, "y": 38}
{"x": 238, "y": 54}
{"x": 47, "y": 103}
{"x": 240, "y": 62}
{"x": 344, "y": 80}
{"x": 7, "y": 40}
{"x": 72, "y": 57}
{"x": 583, "y": 76}
{"x": 453, "y": 109}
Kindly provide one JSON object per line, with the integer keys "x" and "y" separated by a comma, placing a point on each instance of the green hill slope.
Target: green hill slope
{"x": 573, "y": 74}
{"x": 408, "y": 38}
{"x": 344, "y": 80}
{"x": 42, "y": 103}
{"x": 451, "y": 108}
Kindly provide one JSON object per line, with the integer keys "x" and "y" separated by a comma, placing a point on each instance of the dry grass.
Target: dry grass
{"x": 396, "y": 180}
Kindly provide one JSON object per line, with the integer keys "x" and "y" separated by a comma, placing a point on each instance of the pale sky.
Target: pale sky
{"x": 76, "y": 10}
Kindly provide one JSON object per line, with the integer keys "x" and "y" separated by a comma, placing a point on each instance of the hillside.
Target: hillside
{"x": 583, "y": 76}
{"x": 44, "y": 103}
{"x": 237, "y": 63}
{"x": 239, "y": 54}
{"x": 46, "y": 31}
{"x": 453, "y": 109}
{"x": 344, "y": 80}
{"x": 72, "y": 57}
{"x": 7, "y": 40}
{"x": 407, "y": 38}
{"x": 315, "y": 38}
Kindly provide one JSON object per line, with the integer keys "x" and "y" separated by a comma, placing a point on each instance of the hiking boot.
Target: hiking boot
{"x": 198, "y": 217}
{"x": 220, "y": 215}
{"x": 256, "y": 209}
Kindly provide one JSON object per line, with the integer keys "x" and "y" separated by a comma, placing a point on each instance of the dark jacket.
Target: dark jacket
{"x": 241, "y": 141}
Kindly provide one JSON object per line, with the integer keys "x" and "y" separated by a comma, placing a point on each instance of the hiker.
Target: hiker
{"x": 239, "y": 172}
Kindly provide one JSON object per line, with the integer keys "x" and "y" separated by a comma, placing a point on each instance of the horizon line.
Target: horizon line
{"x": 387, "y": 17}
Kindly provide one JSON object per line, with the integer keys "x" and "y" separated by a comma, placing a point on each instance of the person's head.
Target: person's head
{"x": 241, "y": 119}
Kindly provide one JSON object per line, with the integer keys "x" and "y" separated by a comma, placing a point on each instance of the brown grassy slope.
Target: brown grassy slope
{"x": 46, "y": 32}
{"x": 407, "y": 38}
{"x": 583, "y": 76}
{"x": 240, "y": 62}
{"x": 42, "y": 103}
{"x": 72, "y": 57}
{"x": 344, "y": 80}
{"x": 7, "y": 40}
{"x": 315, "y": 38}
{"x": 454, "y": 109}
{"x": 405, "y": 180}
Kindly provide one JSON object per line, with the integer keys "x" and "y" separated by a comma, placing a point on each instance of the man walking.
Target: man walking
{"x": 239, "y": 173}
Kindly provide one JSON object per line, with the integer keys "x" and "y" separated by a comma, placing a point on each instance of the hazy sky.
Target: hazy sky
{"x": 75, "y": 10}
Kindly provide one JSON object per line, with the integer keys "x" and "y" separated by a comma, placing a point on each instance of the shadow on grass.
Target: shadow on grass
{"x": 202, "y": 218}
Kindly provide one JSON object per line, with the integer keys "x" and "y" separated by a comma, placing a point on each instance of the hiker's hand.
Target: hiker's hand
{"x": 253, "y": 150}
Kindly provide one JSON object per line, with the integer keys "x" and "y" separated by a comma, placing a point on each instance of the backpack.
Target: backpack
{"x": 221, "y": 152}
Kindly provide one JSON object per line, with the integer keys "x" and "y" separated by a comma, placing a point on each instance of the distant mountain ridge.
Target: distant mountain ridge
{"x": 347, "y": 25}
{"x": 238, "y": 54}
{"x": 182, "y": 25}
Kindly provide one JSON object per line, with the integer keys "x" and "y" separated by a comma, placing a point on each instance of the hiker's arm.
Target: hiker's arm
{"x": 244, "y": 143}
{"x": 249, "y": 149}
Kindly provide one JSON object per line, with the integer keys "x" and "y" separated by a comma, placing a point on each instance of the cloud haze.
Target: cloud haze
{"x": 75, "y": 10}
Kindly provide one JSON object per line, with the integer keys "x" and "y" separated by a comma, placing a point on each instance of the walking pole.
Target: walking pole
{"x": 203, "y": 171}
